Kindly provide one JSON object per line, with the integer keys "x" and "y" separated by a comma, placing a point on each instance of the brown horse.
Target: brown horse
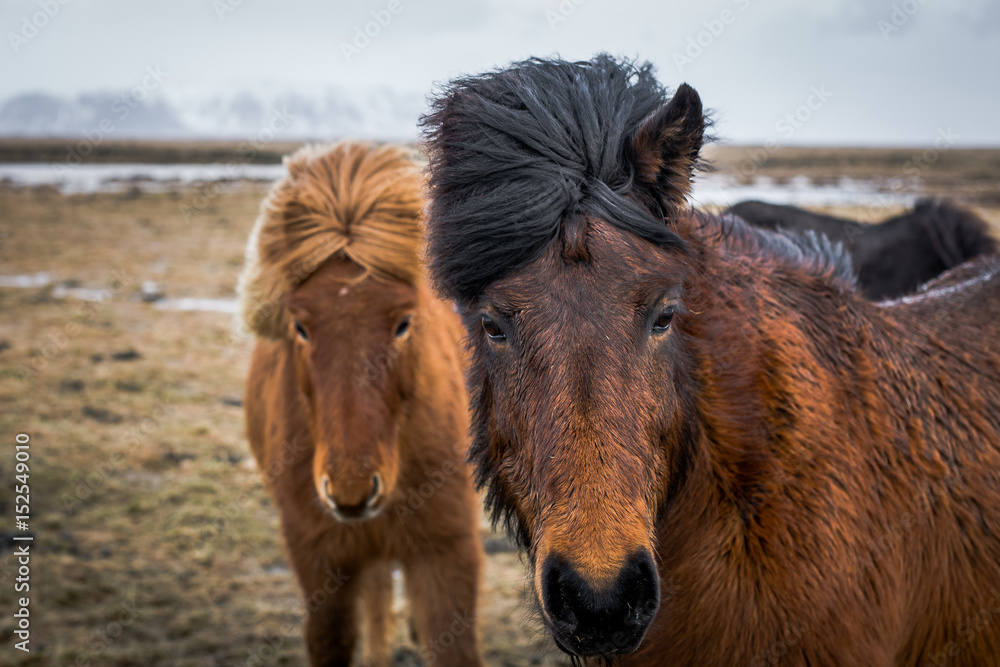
{"x": 714, "y": 450}
{"x": 355, "y": 408}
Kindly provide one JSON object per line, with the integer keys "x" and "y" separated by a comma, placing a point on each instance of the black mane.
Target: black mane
{"x": 805, "y": 249}
{"x": 515, "y": 151}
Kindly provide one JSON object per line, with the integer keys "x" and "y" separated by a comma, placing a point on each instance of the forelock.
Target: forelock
{"x": 514, "y": 151}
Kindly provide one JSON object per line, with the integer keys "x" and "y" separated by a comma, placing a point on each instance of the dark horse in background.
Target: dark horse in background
{"x": 895, "y": 256}
{"x": 712, "y": 448}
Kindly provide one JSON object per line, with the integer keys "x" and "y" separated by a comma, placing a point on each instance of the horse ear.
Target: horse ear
{"x": 665, "y": 149}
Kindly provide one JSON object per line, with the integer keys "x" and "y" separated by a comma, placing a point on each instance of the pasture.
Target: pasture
{"x": 155, "y": 541}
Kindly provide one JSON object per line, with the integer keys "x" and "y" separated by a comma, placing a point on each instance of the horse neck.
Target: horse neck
{"x": 775, "y": 350}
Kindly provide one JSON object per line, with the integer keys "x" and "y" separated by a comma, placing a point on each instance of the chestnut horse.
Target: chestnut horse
{"x": 714, "y": 451}
{"x": 897, "y": 255}
{"x": 355, "y": 407}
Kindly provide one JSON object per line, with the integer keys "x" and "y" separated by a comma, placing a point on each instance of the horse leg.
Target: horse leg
{"x": 331, "y": 597}
{"x": 442, "y": 587}
{"x": 376, "y": 605}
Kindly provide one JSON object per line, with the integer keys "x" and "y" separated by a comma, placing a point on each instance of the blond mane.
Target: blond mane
{"x": 352, "y": 198}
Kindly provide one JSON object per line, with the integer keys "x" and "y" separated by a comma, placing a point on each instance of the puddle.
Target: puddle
{"x": 723, "y": 190}
{"x": 82, "y": 293}
{"x": 26, "y": 280}
{"x": 87, "y": 178}
{"x": 150, "y": 293}
{"x": 227, "y": 306}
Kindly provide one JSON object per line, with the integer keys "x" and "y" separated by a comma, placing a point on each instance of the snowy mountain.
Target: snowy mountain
{"x": 264, "y": 115}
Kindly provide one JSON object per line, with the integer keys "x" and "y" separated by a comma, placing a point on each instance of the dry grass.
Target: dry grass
{"x": 156, "y": 543}
{"x": 131, "y": 151}
{"x": 146, "y": 507}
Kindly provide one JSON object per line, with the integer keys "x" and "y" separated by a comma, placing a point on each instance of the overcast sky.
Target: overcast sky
{"x": 875, "y": 71}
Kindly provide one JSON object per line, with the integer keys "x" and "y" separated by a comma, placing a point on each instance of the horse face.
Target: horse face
{"x": 574, "y": 374}
{"x": 352, "y": 351}
{"x": 550, "y": 182}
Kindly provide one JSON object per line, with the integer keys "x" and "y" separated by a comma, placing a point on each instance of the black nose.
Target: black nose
{"x": 587, "y": 621}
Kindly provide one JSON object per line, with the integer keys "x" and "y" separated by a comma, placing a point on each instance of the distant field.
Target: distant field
{"x": 970, "y": 173}
{"x": 156, "y": 543}
{"x": 191, "y": 152}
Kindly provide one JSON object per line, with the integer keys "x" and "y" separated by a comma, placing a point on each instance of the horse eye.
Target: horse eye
{"x": 662, "y": 322}
{"x": 493, "y": 330}
{"x": 403, "y": 326}
{"x": 301, "y": 331}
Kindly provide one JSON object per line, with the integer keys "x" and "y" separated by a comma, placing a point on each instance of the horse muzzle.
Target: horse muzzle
{"x": 586, "y": 621}
{"x": 349, "y": 509}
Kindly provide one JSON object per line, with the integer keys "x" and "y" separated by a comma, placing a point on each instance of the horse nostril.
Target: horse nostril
{"x": 328, "y": 491}
{"x": 353, "y": 507}
{"x": 376, "y": 489}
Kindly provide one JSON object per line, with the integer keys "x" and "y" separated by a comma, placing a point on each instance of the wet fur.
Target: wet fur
{"x": 818, "y": 475}
{"x": 353, "y": 397}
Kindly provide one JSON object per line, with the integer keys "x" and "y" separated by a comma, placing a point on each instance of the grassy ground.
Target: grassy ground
{"x": 156, "y": 543}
